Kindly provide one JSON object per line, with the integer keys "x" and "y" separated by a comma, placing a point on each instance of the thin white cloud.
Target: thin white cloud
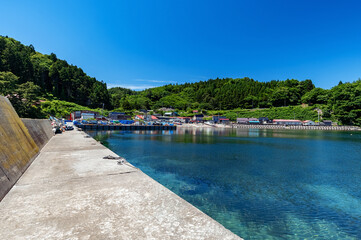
{"x": 133, "y": 87}
{"x": 153, "y": 81}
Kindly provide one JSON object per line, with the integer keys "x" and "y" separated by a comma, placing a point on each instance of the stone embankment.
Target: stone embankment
{"x": 327, "y": 128}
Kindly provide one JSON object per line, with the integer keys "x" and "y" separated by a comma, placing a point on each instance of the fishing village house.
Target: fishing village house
{"x": 224, "y": 121}
{"x": 118, "y": 116}
{"x": 83, "y": 115}
{"x": 309, "y": 123}
{"x": 198, "y": 118}
{"x": 184, "y": 119}
{"x": 287, "y": 122}
{"x": 248, "y": 121}
{"x": 139, "y": 117}
{"x": 216, "y": 119}
{"x": 151, "y": 118}
{"x": 327, "y": 122}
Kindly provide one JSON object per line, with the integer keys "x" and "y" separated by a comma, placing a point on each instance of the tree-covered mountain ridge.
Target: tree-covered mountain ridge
{"x": 27, "y": 75}
{"x": 341, "y": 103}
{"x": 38, "y": 84}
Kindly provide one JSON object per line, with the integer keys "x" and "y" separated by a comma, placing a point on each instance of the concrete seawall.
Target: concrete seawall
{"x": 71, "y": 192}
{"x": 19, "y": 144}
{"x": 39, "y": 130}
{"x": 325, "y": 128}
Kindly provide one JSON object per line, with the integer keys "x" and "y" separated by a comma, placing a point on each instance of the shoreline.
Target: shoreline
{"x": 243, "y": 126}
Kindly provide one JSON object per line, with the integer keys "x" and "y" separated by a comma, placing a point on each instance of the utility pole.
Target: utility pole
{"x": 318, "y": 115}
{"x": 103, "y": 110}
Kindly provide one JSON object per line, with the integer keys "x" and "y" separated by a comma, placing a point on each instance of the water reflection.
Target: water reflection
{"x": 261, "y": 184}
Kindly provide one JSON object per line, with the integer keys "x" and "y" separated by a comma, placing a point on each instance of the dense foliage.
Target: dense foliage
{"x": 23, "y": 70}
{"x": 220, "y": 94}
{"x": 39, "y": 84}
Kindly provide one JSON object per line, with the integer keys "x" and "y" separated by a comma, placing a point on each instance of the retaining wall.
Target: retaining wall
{"x": 18, "y": 145}
{"x": 39, "y": 129}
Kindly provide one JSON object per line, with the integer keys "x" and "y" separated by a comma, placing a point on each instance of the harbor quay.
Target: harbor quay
{"x": 125, "y": 127}
{"x": 71, "y": 192}
{"x": 325, "y": 128}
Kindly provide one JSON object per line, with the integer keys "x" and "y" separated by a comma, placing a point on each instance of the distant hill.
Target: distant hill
{"x": 28, "y": 77}
{"x": 341, "y": 103}
{"x": 218, "y": 93}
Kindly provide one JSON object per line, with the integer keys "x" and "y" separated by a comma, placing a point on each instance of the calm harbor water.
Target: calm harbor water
{"x": 260, "y": 184}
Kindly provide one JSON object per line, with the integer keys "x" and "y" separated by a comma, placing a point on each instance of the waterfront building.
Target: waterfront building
{"x": 309, "y": 123}
{"x": 118, "y": 116}
{"x": 184, "y": 119}
{"x": 327, "y": 122}
{"x": 287, "y": 122}
{"x": 151, "y": 118}
{"x": 198, "y": 118}
{"x": 224, "y": 120}
{"x": 216, "y": 119}
{"x": 264, "y": 120}
{"x": 248, "y": 121}
{"x": 139, "y": 117}
{"x": 84, "y": 114}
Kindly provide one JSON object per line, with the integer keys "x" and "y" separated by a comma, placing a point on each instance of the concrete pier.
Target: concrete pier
{"x": 71, "y": 192}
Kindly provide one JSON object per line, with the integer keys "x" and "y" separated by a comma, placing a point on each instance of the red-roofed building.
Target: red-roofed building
{"x": 184, "y": 119}
{"x": 224, "y": 120}
{"x": 309, "y": 123}
{"x": 139, "y": 117}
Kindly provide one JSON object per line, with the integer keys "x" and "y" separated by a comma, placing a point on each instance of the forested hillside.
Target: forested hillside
{"x": 217, "y": 94}
{"x": 342, "y": 102}
{"x": 27, "y": 75}
{"x": 36, "y": 83}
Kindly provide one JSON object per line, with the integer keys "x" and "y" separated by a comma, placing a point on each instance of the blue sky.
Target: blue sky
{"x": 141, "y": 44}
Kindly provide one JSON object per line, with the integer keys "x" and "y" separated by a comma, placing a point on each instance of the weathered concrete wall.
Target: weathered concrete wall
{"x": 17, "y": 146}
{"x": 39, "y": 130}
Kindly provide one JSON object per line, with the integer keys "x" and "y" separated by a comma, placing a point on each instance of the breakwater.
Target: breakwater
{"x": 124, "y": 127}
{"x": 71, "y": 192}
{"x": 327, "y": 128}
{"x": 20, "y": 142}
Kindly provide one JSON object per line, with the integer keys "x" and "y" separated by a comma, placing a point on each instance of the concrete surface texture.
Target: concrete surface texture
{"x": 71, "y": 192}
{"x": 39, "y": 130}
{"x": 17, "y": 148}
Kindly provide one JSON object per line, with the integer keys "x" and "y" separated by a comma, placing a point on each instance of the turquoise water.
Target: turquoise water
{"x": 260, "y": 184}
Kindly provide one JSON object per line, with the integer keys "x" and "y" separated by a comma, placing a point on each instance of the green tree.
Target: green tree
{"x": 25, "y": 100}
{"x": 8, "y": 82}
{"x": 99, "y": 95}
{"x": 316, "y": 96}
